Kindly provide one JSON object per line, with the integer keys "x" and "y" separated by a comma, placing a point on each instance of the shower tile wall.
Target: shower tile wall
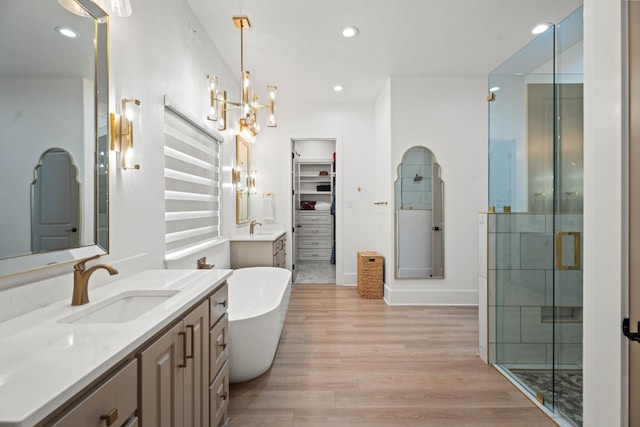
{"x": 520, "y": 279}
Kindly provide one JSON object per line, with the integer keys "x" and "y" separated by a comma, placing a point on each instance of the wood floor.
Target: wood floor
{"x": 347, "y": 361}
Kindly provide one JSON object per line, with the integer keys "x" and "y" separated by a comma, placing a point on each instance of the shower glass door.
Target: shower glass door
{"x": 535, "y": 234}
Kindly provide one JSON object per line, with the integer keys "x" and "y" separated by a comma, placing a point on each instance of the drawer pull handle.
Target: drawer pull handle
{"x": 110, "y": 417}
{"x": 191, "y": 328}
{"x": 222, "y": 303}
{"x": 184, "y": 349}
{"x": 223, "y": 345}
{"x": 223, "y": 396}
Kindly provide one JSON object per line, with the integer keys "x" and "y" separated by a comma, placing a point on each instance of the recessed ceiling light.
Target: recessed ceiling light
{"x": 540, "y": 28}
{"x": 494, "y": 89}
{"x": 67, "y": 32}
{"x": 338, "y": 88}
{"x": 350, "y": 32}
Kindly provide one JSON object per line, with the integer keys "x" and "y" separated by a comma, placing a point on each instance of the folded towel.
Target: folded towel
{"x": 323, "y": 206}
{"x": 268, "y": 208}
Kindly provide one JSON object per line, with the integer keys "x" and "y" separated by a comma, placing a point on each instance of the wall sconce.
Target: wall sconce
{"x": 235, "y": 179}
{"x": 125, "y": 129}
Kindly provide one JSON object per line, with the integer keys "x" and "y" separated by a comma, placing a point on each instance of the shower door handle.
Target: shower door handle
{"x": 626, "y": 330}
{"x": 560, "y": 235}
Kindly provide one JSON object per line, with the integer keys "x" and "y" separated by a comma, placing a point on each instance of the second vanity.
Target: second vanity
{"x": 103, "y": 363}
{"x": 261, "y": 249}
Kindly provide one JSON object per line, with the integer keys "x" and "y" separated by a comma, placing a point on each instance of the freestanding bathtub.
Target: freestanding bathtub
{"x": 258, "y": 302}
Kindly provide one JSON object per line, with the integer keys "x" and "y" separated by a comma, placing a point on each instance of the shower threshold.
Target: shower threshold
{"x": 517, "y": 377}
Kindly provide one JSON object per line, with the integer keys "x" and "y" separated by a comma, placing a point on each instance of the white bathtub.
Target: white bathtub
{"x": 258, "y": 301}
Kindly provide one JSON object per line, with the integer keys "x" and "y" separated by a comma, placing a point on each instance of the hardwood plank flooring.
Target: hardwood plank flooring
{"x": 347, "y": 361}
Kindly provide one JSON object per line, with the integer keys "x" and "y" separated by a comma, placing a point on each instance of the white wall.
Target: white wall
{"x": 352, "y": 125}
{"x": 173, "y": 57}
{"x": 605, "y": 228}
{"x": 447, "y": 115}
{"x": 383, "y": 175}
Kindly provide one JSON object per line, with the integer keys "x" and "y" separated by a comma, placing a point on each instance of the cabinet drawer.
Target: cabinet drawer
{"x": 314, "y": 242}
{"x": 316, "y": 230}
{"x": 218, "y": 304}
{"x": 218, "y": 353}
{"x": 119, "y": 394}
{"x": 219, "y": 397}
{"x": 314, "y": 218}
{"x": 314, "y": 254}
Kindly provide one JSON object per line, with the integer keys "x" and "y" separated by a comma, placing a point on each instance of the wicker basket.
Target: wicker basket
{"x": 370, "y": 274}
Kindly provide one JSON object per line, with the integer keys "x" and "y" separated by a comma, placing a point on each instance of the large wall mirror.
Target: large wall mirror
{"x": 53, "y": 116}
{"x": 241, "y": 179}
{"x": 419, "y": 222}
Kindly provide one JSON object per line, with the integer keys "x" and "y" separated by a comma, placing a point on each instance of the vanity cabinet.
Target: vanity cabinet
{"x": 175, "y": 370}
{"x": 159, "y": 366}
{"x": 314, "y": 235}
{"x": 259, "y": 253}
{"x": 218, "y": 379}
{"x": 173, "y": 389}
{"x": 113, "y": 403}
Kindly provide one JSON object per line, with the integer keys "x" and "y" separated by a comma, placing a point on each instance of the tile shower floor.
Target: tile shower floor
{"x": 315, "y": 272}
{"x": 568, "y": 389}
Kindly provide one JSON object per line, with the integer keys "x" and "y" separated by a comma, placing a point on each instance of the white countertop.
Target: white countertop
{"x": 44, "y": 363}
{"x": 257, "y": 236}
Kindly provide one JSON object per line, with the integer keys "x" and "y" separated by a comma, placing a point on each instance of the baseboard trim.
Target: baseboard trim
{"x": 430, "y": 297}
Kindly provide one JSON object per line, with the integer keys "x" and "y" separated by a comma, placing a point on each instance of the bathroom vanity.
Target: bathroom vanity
{"x": 149, "y": 347}
{"x": 261, "y": 249}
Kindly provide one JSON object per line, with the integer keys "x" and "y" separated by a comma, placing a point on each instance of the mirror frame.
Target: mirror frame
{"x": 241, "y": 178}
{"x": 437, "y": 219}
{"x": 29, "y": 262}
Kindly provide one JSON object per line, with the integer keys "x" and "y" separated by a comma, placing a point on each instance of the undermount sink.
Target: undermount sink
{"x": 120, "y": 308}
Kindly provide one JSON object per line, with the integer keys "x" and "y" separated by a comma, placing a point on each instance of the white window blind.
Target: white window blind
{"x": 191, "y": 183}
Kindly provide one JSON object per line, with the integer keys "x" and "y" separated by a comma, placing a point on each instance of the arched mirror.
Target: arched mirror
{"x": 241, "y": 180}
{"x": 419, "y": 199}
{"x": 53, "y": 110}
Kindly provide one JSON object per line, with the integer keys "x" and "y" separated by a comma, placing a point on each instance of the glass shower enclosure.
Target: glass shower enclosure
{"x": 535, "y": 220}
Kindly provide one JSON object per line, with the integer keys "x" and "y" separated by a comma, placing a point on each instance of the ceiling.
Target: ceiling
{"x": 298, "y": 46}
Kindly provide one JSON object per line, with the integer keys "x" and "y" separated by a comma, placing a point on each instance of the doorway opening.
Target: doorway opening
{"x": 313, "y": 189}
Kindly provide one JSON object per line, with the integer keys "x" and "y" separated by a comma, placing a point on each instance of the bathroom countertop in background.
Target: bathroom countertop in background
{"x": 257, "y": 236}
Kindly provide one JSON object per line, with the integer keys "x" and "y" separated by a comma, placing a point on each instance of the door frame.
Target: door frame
{"x": 339, "y": 280}
{"x": 634, "y": 206}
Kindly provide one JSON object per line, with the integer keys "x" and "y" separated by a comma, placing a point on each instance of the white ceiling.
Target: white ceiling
{"x": 297, "y": 44}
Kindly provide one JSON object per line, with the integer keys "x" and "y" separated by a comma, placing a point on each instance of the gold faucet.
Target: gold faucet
{"x": 252, "y": 225}
{"x": 81, "y": 279}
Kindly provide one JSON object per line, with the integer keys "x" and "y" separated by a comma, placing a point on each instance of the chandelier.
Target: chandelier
{"x": 249, "y": 104}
